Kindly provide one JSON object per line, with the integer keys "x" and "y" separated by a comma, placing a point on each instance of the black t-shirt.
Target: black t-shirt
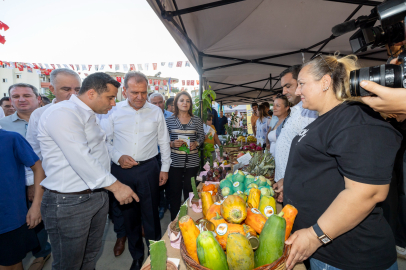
{"x": 350, "y": 140}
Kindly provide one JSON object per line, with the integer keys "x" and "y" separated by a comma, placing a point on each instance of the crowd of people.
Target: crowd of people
{"x": 71, "y": 162}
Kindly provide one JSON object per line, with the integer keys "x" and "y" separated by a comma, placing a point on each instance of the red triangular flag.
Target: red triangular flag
{"x": 111, "y": 66}
{"x": 90, "y": 66}
{"x": 2, "y": 39}
{"x": 72, "y": 66}
{"x": 132, "y": 66}
{"x": 53, "y": 66}
{"x": 4, "y": 26}
{"x": 35, "y": 66}
{"x": 155, "y": 65}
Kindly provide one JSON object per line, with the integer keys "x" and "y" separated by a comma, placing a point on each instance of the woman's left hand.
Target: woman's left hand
{"x": 304, "y": 243}
{"x": 193, "y": 145}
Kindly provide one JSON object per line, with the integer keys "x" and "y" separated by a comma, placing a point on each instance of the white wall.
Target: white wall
{"x": 11, "y": 76}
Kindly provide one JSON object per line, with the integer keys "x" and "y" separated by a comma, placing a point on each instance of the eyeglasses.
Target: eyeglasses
{"x": 323, "y": 60}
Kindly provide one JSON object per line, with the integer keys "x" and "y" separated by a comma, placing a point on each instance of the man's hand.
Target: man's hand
{"x": 304, "y": 243}
{"x": 127, "y": 162}
{"x": 278, "y": 188}
{"x": 193, "y": 145}
{"x": 163, "y": 177}
{"x": 123, "y": 193}
{"x": 388, "y": 100}
{"x": 33, "y": 216}
{"x": 30, "y": 193}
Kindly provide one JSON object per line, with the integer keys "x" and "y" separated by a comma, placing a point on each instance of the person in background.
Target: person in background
{"x": 184, "y": 166}
{"x": 215, "y": 117}
{"x": 208, "y": 137}
{"x": 44, "y": 101}
{"x": 25, "y": 98}
{"x": 5, "y": 104}
{"x": 346, "y": 171}
{"x": 158, "y": 100}
{"x": 17, "y": 236}
{"x": 222, "y": 122}
{"x": 262, "y": 125}
{"x": 229, "y": 119}
{"x": 299, "y": 119}
{"x": 77, "y": 165}
{"x": 254, "y": 117}
{"x": 134, "y": 130}
{"x": 281, "y": 109}
{"x": 267, "y": 108}
{"x": 169, "y": 105}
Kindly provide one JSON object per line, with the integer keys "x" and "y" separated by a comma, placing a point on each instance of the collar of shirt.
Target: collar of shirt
{"x": 15, "y": 117}
{"x": 147, "y": 105}
{"x": 82, "y": 105}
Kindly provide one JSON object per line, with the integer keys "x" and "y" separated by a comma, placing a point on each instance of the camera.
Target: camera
{"x": 392, "y": 15}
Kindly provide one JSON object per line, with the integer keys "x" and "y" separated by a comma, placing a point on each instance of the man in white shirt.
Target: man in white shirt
{"x": 299, "y": 118}
{"x": 77, "y": 165}
{"x": 134, "y": 130}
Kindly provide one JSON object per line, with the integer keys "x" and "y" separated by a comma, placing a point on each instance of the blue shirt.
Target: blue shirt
{"x": 15, "y": 153}
{"x": 14, "y": 123}
{"x": 167, "y": 114}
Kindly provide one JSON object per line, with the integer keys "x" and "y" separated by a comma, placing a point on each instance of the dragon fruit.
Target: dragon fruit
{"x": 253, "y": 145}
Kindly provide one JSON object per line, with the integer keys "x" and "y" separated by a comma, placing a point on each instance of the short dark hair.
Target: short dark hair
{"x": 98, "y": 81}
{"x": 169, "y": 102}
{"x": 45, "y": 100}
{"x": 34, "y": 89}
{"x": 266, "y": 104}
{"x": 209, "y": 116}
{"x": 175, "y": 102}
{"x": 4, "y": 99}
{"x": 254, "y": 104}
{"x": 293, "y": 69}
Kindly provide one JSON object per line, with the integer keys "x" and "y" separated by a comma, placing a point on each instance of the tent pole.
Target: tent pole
{"x": 200, "y": 70}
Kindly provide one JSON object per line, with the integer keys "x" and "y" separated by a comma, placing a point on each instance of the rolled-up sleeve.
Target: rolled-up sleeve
{"x": 68, "y": 131}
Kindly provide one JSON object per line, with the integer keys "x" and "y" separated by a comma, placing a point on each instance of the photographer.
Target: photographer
{"x": 337, "y": 173}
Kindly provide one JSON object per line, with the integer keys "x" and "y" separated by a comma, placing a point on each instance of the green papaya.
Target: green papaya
{"x": 271, "y": 241}
{"x": 238, "y": 176}
{"x": 210, "y": 253}
{"x": 262, "y": 181}
{"x": 225, "y": 191}
{"x": 240, "y": 255}
{"x": 252, "y": 185}
{"x": 247, "y": 191}
{"x": 229, "y": 177}
{"x": 249, "y": 179}
{"x": 238, "y": 186}
{"x": 226, "y": 183}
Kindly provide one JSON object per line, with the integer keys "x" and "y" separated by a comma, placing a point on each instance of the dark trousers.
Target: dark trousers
{"x": 163, "y": 190}
{"x": 144, "y": 180}
{"x": 116, "y": 216}
{"x": 179, "y": 180}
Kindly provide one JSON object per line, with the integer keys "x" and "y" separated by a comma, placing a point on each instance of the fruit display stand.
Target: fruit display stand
{"x": 176, "y": 253}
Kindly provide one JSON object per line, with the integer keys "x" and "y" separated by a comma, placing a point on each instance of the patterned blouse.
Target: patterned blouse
{"x": 262, "y": 129}
{"x": 194, "y": 129}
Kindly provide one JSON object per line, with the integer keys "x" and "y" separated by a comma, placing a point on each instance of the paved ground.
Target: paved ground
{"x": 107, "y": 261}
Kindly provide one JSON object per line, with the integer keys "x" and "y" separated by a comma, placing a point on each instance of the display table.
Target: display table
{"x": 175, "y": 253}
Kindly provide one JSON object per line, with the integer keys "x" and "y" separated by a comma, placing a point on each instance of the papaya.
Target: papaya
{"x": 255, "y": 219}
{"x": 210, "y": 253}
{"x": 240, "y": 255}
{"x": 267, "y": 206}
{"x": 290, "y": 213}
{"x": 233, "y": 209}
{"x": 224, "y": 229}
{"x": 238, "y": 176}
{"x": 213, "y": 210}
{"x": 217, "y": 220}
{"x": 271, "y": 241}
{"x": 189, "y": 233}
{"x": 229, "y": 177}
{"x": 249, "y": 230}
{"x": 253, "y": 198}
{"x": 225, "y": 191}
{"x": 238, "y": 186}
{"x": 242, "y": 195}
{"x": 226, "y": 183}
{"x": 207, "y": 201}
{"x": 249, "y": 179}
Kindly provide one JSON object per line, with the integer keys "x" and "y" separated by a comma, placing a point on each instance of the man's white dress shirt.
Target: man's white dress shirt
{"x": 2, "y": 115}
{"x": 299, "y": 119}
{"x": 137, "y": 133}
{"x": 73, "y": 148}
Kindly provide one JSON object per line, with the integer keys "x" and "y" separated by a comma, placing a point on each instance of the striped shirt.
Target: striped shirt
{"x": 194, "y": 129}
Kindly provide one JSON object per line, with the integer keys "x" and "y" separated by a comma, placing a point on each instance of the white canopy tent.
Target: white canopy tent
{"x": 240, "y": 47}
{"x": 238, "y": 108}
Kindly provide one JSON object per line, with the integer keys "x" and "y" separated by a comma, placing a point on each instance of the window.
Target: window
{"x": 18, "y": 76}
{"x": 4, "y": 80}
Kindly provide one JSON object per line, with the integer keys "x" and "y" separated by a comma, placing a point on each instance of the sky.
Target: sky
{"x": 89, "y": 32}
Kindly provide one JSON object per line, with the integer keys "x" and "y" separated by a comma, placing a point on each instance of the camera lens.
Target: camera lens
{"x": 385, "y": 75}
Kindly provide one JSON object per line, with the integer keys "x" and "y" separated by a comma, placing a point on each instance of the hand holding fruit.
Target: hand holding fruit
{"x": 193, "y": 145}
{"x": 177, "y": 143}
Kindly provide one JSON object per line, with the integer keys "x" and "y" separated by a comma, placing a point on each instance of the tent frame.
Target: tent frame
{"x": 198, "y": 55}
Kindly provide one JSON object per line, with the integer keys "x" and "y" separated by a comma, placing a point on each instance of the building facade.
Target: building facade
{"x": 10, "y": 76}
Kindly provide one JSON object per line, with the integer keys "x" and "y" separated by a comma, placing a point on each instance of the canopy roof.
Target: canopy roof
{"x": 238, "y": 45}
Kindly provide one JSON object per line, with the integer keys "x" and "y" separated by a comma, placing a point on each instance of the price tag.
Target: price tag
{"x": 245, "y": 159}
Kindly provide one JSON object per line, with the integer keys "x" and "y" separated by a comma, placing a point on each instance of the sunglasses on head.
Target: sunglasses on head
{"x": 320, "y": 55}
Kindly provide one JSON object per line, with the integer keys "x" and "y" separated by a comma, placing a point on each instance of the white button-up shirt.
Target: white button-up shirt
{"x": 73, "y": 147}
{"x": 137, "y": 133}
{"x": 299, "y": 119}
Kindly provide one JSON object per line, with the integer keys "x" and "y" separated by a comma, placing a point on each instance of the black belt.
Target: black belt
{"x": 145, "y": 161}
{"x": 86, "y": 191}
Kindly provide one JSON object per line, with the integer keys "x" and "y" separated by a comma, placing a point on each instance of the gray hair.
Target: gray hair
{"x": 64, "y": 71}
{"x": 155, "y": 94}
{"x": 139, "y": 77}
{"x": 34, "y": 89}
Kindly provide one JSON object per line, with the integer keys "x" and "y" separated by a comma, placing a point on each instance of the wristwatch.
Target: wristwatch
{"x": 323, "y": 237}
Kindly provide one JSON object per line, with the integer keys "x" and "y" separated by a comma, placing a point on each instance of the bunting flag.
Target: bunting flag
{"x": 125, "y": 67}
{"x": 156, "y": 82}
{"x": 162, "y": 64}
{"x": 79, "y": 73}
{"x": 36, "y": 66}
{"x": 183, "y": 82}
{"x": 170, "y": 64}
{"x": 169, "y": 85}
{"x": 3, "y": 26}
{"x": 179, "y": 64}
{"x": 183, "y": 89}
{"x": 85, "y": 74}
{"x": 150, "y": 81}
{"x": 102, "y": 67}
{"x": 96, "y": 67}
{"x": 156, "y": 88}
{"x": 154, "y": 66}
{"x": 161, "y": 88}
{"x": 77, "y": 67}
{"x": 65, "y": 66}
{"x": 111, "y": 66}
{"x": 139, "y": 66}
{"x": 58, "y": 65}
{"x": 118, "y": 79}
{"x": 132, "y": 67}
{"x": 72, "y": 66}
{"x": 146, "y": 66}
{"x": 53, "y": 66}
{"x": 197, "y": 82}
{"x": 40, "y": 65}
{"x": 117, "y": 67}
{"x": 90, "y": 66}
{"x": 165, "y": 82}
{"x": 192, "y": 82}
{"x": 188, "y": 82}
{"x": 2, "y": 39}
{"x": 20, "y": 67}
{"x": 187, "y": 64}
{"x": 47, "y": 66}
{"x": 84, "y": 67}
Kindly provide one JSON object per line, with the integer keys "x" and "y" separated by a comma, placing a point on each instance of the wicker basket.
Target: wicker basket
{"x": 229, "y": 149}
{"x": 279, "y": 264}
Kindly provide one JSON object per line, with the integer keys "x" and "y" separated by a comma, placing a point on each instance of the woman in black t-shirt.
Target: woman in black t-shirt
{"x": 339, "y": 168}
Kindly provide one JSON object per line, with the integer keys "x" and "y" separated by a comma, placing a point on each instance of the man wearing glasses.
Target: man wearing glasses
{"x": 298, "y": 119}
